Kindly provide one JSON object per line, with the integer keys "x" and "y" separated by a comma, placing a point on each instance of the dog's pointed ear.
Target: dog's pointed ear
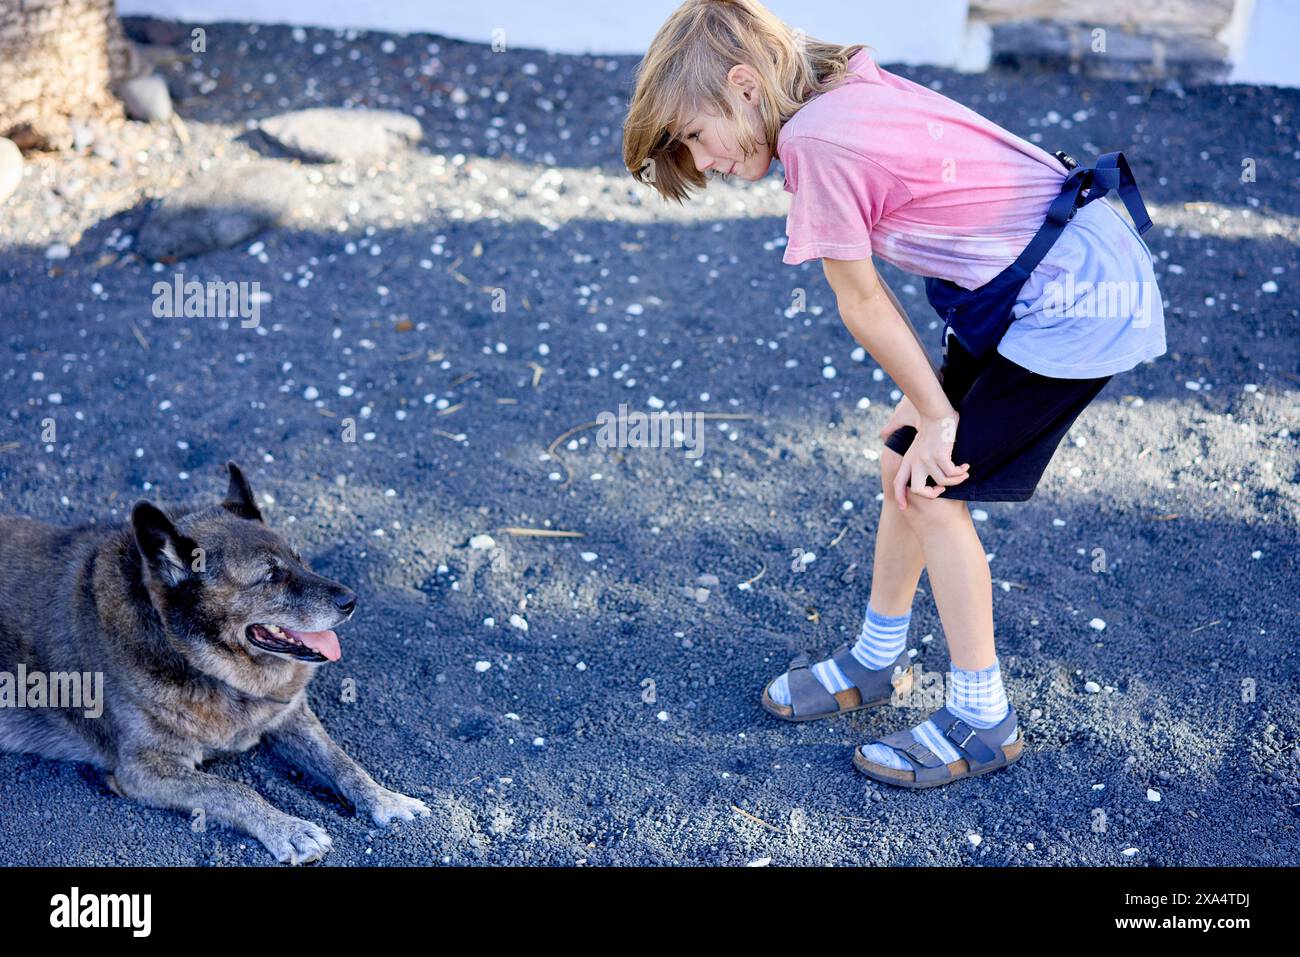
{"x": 239, "y": 496}
{"x": 165, "y": 550}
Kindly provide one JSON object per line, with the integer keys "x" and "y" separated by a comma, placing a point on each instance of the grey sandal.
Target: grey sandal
{"x": 981, "y": 751}
{"x": 809, "y": 701}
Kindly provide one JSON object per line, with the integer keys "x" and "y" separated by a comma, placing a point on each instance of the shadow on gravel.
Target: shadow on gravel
{"x": 690, "y": 308}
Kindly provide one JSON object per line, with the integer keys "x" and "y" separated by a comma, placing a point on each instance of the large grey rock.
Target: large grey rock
{"x": 1110, "y": 52}
{"x": 147, "y": 98}
{"x": 328, "y": 135}
{"x": 11, "y": 168}
{"x": 221, "y": 210}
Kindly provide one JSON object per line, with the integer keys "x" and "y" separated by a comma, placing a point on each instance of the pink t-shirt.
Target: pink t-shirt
{"x": 881, "y": 165}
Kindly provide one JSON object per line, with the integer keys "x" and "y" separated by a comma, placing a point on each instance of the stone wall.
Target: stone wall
{"x": 1121, "y": 39}
{"x": 58, "y": 62}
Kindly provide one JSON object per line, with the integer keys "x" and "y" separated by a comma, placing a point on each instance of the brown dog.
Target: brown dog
{"x": 204, "y": 628}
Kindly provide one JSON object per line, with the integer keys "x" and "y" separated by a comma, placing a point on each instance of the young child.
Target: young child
{"x": 1045, "y": 295}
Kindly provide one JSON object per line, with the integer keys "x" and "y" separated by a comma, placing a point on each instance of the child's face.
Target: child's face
{"x": 713, "y": 143}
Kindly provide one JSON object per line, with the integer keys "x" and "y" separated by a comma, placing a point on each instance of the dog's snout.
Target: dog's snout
{"x": 345, "y": 600}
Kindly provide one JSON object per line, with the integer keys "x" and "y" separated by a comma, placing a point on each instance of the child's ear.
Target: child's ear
{"x": 239, "y": 496}
{"x": 165, "y": 550}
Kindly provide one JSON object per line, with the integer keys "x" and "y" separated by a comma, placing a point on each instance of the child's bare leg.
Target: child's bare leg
{"x": 945, "y": 538}
{"x": 896, "y": 568}
{"x": 963, "y": 592}
{"x": 959, "y": 578}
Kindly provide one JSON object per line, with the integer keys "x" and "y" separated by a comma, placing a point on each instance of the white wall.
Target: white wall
{"x": 1263, "y": 39}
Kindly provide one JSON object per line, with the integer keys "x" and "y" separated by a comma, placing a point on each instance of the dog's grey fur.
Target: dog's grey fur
{"x": 160, "y": 607}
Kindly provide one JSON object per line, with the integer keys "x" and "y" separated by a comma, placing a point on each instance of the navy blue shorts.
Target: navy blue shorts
{"x": 1011, "y": 422}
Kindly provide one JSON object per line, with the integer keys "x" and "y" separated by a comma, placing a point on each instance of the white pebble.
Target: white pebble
{"x": 975, "y": 840}
{"x": 589, "y": 556}
{"x": 518, "y": 622}
{"x": 1097, "y": 624}
{"x": 662, "y": 716}
{"x": 1092, "y": 687}
{"x": 979, "y": 515}
{"x": 482, "y": 666}
{"x": 482, "y": 541}
{"x": 1153, "y": 795}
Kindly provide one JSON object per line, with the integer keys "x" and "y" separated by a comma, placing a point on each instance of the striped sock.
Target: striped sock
{"x": 977, "y": 697}
{"x": 881, "y": 640}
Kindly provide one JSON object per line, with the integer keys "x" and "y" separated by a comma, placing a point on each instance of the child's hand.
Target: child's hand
{"x": 904, "y": 414}
{"x": 930, "y": 456}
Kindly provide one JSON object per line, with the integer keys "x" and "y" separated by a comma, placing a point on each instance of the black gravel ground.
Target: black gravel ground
{"x": 538, "y": 745}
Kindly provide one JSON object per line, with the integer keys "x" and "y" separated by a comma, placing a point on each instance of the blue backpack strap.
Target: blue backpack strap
{"x": 1111, "y": 172}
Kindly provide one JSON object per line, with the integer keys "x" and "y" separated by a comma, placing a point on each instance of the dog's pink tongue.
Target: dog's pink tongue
{"x": 323, "y": 642}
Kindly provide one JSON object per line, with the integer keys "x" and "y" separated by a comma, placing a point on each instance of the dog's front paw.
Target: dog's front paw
{"x": 295, "y": 841}
{"x": 384, "y": 806}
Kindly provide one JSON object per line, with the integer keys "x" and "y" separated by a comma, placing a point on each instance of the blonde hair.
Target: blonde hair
{"x": 685, "y": 70}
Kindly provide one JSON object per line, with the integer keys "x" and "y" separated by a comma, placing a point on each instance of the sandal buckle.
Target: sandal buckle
{"x": 964, "y": 727}
{"x": 919, "y": 751}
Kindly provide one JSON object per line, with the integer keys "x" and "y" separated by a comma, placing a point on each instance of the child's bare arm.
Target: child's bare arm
{"x": 906, "y": 318}
{"x": 868, "y": 308}
{"x": 871, "y": 314}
